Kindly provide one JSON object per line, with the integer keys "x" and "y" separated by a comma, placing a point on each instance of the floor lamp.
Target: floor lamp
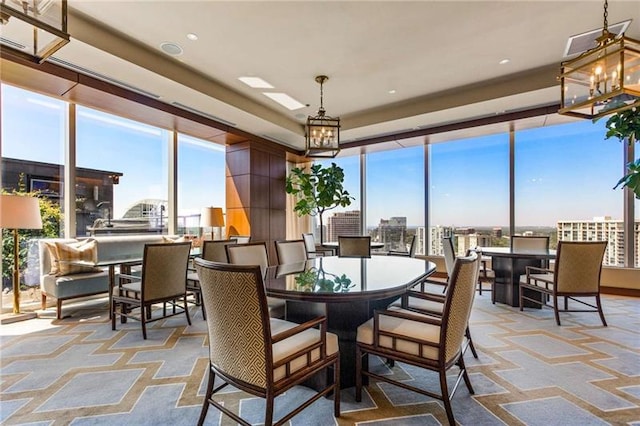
{"x": 18, "y": 212}
{"x": 211, "y": 217}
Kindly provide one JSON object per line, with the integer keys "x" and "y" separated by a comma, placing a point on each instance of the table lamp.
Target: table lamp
{"x": 211, "y": 217}
{"x": 18, "y": 212}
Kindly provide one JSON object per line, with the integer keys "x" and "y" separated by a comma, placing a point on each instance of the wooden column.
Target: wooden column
{"x": 255, "y": 192}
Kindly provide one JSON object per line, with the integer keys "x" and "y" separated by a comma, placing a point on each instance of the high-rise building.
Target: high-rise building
{"x": 437, "y": 234}
{"x": 392, "y": 233}
{"x": 600, "y": 229}
{"x": 343, "y": 223}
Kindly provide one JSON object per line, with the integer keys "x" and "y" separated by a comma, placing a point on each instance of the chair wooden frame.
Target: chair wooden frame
{"x": 313, "y": 249}
{"x": 410, "y": 253}
{"x": 354, "y": 246}
{"x": 554, "y": 283}
{"x": 210, "y": 251}
{"x": 129, "y": 296}
{"x": 284, "y": 246}
{"x": 441, "y": 365}
{"x": 273, "y": 387}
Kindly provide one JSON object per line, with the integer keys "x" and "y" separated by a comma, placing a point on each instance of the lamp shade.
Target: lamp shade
{"x": 17, "y": 212}
{"x": 211, "y": 216}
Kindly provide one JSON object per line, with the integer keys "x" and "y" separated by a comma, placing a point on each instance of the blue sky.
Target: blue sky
{"x": 562, "y": 172}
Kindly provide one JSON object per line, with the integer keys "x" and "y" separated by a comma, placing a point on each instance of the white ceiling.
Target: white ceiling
{"x": 441, "y": 58}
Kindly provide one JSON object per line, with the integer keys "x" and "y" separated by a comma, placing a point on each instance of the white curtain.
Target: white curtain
{"x": 296, "y": 225}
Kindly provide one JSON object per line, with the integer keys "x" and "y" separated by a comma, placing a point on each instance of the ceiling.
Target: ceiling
{"x": 393, "y": 66}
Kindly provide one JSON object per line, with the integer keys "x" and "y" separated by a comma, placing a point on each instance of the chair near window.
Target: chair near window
{"x": 163, "y": 280}
{"x": 241, "y": 239}
{"x": 215, "y": 251}
{"x": 576, "y": 274}
{"x": 313, "y": 249}
{"x": 433, "y": 343}
{"x": 349, "y": 246}
{"x": 290, "y": 251}
{"x": 410, "y": 253}
{"x": 256, "y": 254}
{"x": 449, "y": 259}
{"x": 262, "y": 356}
{"x": 519, "y": 242}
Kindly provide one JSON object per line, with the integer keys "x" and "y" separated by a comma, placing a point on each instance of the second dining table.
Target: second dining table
{"x": 347, "y": 291}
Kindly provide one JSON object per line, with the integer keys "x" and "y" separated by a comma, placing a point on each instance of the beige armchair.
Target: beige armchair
{"x": 290, "y": 251}
{"x": 262, "y": 356}
{"x": 576, "y": 274}
{"x": 163, "y": 280}
{"x": 433, "y": 343}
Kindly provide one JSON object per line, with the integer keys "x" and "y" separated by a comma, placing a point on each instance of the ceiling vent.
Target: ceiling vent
{"x": 99, "y": 76}
{"x": 204, "y": 114}
{"x": 12, "y": 43}
{"x": 582, "y": 42}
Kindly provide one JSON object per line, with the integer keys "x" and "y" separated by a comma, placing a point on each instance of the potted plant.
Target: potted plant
{"x": 317, "y": 191}
{"x": 625, "y": 125}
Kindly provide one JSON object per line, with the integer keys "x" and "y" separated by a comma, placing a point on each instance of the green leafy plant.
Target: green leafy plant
{"x": 317, "y": 191}
{"x": 625, "y": 125}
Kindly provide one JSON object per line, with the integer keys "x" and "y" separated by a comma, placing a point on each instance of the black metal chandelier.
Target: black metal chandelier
{"x": 33, "y": 29}
{"x": 603, "y": 80}
{"x": 322, "y": 133}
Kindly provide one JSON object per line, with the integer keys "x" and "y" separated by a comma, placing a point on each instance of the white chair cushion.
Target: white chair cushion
{"x": 535, "y": 280}
{"x": 193, "y": 276}
{"x": 414, "y": 329}
{"x": 287, "y": 347}
{"x": 425, "y": 305}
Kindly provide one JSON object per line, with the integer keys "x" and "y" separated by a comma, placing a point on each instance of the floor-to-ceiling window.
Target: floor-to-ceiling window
{"x": 343, "y": 220}
{"x": 32, "y": 147}
{"x": 130, "y": 162}
{"x": 395, "y": 196}
{"x": 201, "y": 182}
{"x": 636, "y": 225}
{"x": 469, "y": 193}
{"x": 564, "y": 177}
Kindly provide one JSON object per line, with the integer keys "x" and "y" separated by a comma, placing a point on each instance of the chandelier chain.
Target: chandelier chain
{"x": 606, "y": 14}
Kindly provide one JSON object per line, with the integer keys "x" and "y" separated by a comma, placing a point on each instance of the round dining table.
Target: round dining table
{"x": 346, "y": 291}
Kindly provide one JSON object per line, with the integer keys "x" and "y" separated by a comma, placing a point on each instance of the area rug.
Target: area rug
{"x": 530, "y": 371}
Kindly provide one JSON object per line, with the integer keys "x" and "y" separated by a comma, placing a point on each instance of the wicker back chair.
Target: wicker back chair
{"x": 255, "y": 353}
{"x": 349, "y": 246}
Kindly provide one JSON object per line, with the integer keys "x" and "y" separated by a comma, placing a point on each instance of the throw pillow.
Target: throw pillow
{"x": 68, "y": 253}
{"x": 53, "y": 252}
{"x": 169, "y": 240}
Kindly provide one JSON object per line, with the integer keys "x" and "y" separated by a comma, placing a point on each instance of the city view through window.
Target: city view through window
{"x": 563, "y": 182}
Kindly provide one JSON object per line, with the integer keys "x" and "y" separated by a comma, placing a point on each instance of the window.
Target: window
{"x": 122, "y": 175}
{"x": 32, "y": 157}
{"x": 564, "y": 176}
{"x": 395, "y": 196}
{"x": 343, "y": 220}
{"x": 201, "y": 181}
{"x": 469, "y": 193}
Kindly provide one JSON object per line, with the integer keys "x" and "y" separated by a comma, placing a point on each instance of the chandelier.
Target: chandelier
{"x": 33, "y": 29}
{"x": 603, "y": 80}
{"x": 322, "y": 133}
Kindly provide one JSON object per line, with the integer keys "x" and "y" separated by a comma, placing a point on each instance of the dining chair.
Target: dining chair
{"x": 290, "y": 251}
{"x": 313, "y": 249}
{"x": 425, "y": 341}
{"x": 576, "y": 274}
{"x": 411, "y": 252}
{"x": 215, "y": 251}
{"x": 256, "y": 254}
{"x": 163, "y": 280}
{"x": 449, "y": 259}
{"x": 433, "y": 304}
{"x": 520, "y": 242}
{"x": 351, "y": 246}
{"x": 254, "y": 353}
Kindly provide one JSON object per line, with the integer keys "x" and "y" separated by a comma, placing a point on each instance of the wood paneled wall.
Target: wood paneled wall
{"x": 256, "y": 198}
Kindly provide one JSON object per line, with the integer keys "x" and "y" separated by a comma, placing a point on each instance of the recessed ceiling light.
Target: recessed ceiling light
{"x": 171, "y": 48}
{"x": 284, "y": 100}
{"x": 255, "y": 82}
{"x": 392, "y": 91}
{"x": 192, "y": 36}
{"x": 504, "y": 61}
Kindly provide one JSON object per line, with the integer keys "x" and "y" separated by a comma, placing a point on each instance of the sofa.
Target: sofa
{"x": 91, "y": 281}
